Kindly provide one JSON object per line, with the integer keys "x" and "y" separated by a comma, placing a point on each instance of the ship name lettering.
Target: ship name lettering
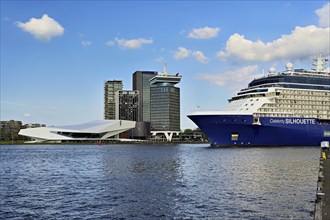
{"x": 300, "y": 121}
{"x": 277, "y": 121}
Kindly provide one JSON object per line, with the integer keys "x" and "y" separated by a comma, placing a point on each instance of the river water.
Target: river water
{"x": 183, "y": 181}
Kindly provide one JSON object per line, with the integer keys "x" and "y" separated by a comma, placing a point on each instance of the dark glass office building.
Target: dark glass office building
{"x": 165, "y": 108}
{"x": 141, "y": 83}
{"x": 165, "y": 103}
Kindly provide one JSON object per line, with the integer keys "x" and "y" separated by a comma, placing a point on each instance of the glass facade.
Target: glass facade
{"x": 127, "y": 105}
{"x": 165, "y": 108}
{"x": 110, "y": 89}
{"x": 141, "y": 83}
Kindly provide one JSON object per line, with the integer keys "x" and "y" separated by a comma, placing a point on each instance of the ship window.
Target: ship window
{"x": 326, "y": 134}
{"x": 234, "y": 136}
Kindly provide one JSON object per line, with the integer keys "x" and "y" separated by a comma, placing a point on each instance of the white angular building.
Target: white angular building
{"x": 95, "y": 130}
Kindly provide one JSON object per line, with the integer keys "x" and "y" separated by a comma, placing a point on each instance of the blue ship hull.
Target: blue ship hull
{"x": 242, "y": 130}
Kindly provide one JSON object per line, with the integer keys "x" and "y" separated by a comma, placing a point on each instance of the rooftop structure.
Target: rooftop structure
{"x": 165, "y": 79}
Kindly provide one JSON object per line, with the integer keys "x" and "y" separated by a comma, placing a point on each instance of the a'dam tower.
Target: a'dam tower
{"x": 165, "y": 104}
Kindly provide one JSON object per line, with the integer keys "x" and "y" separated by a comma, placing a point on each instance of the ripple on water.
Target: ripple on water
{"x": 156, "y": 182}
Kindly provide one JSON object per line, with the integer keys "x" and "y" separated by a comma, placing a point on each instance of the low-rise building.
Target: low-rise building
{"x": 95, "y": 130}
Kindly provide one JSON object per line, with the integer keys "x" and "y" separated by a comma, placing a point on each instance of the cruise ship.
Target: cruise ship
{"x": 290, "y": 108}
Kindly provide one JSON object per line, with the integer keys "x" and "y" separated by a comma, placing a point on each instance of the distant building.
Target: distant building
{"x": 165, "y": 104}
{"x": 127, "y": 105}
{"x": 141, "y": 83}
{"x": 9, "y": 130}
{"x": 110, "y": 89}
{"x": 36, "y": 125}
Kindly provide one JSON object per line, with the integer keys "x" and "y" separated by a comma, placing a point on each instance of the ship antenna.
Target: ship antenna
{"x": 319, "y": 62}
{"x": 165, "y": 71}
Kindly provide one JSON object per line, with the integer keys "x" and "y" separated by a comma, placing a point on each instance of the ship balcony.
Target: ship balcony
{"x": 307, "y": 98}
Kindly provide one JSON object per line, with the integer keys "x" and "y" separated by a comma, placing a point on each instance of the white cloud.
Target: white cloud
{"x": 324, "y": 15}
{"x": 303, "y": 42}
{"x": 204, "y": 33}
{"x": 86, "y": 43}
{"x": 27, "y": 115}
{"x": 43, "y": 29}
{"x": 181, "y": 53}
{"x": 132, "y": 44}
{"x": 199, "y": 56}
{"x": 242, "y": 75}
{"x": 160, "y": 60}
{"x": 110, "y": 43}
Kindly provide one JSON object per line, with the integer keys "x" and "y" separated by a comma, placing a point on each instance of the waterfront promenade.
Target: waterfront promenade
{"x": 322, "y": 205}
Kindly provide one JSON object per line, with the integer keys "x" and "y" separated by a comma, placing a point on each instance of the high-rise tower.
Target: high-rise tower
{"x": 110, "y": 89}
{"x": 141, "y": 83}
{"x": 165, "y": 104}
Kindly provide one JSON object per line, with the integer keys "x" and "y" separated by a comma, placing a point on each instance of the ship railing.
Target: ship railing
{"x": 304, "y": 73}
{"x": 309, "y": 73}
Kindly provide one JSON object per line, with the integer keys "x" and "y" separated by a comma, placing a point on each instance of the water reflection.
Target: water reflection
{"x": 252, "y": 182}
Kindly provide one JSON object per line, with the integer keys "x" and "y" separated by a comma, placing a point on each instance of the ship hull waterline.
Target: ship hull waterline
{"x": 244, "y": 130}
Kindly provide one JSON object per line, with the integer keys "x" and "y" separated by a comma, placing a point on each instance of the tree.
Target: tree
{"x": 187, "y": 131}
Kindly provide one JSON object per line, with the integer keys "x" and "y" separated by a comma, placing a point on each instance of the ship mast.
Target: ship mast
{"x": 319, "y": 63}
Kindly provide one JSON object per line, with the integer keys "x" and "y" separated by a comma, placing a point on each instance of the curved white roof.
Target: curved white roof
{"x": 92, "y": 127}
{"x": 100, "y": 129}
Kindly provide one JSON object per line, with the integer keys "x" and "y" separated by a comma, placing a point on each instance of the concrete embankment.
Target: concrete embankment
{"x": 322, "y": 204}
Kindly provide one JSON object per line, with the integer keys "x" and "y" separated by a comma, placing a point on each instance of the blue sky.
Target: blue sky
{"x": 56, "y": 55}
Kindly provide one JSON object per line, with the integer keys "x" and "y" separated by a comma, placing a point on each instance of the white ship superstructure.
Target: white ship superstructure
{"x": 282, "y": 99}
